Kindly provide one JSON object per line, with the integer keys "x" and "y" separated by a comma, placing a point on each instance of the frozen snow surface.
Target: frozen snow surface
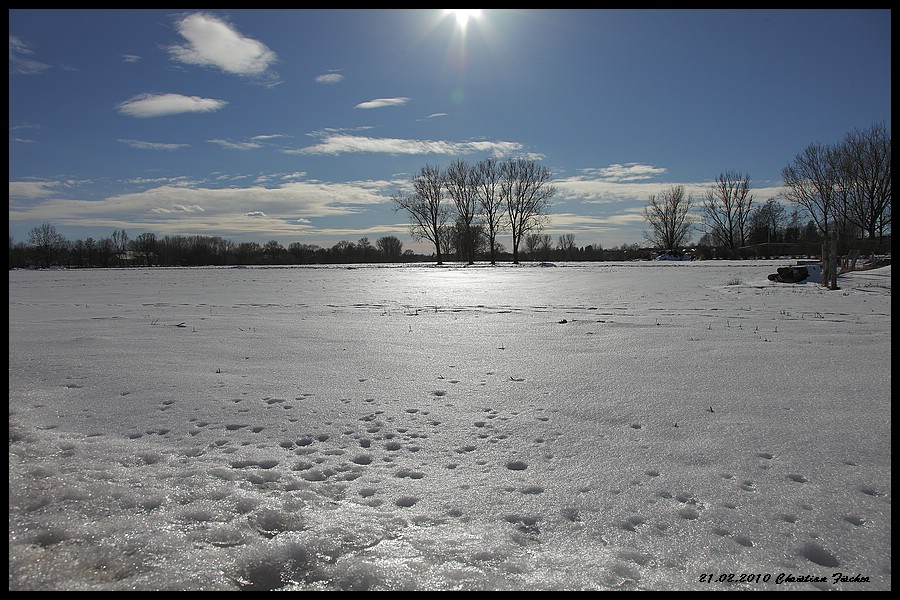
{"x": 596, "y": 426}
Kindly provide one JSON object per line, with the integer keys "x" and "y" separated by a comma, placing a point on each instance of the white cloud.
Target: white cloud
{"x": 25, "y": 126}
{"x": 624, "y": 183}
{"x": 32, "y": 189}
{"x": 180, "y": 180}
{"x": 158, "y": 105}
{"x": 236, "y": 145}
{"x": 329, "y": 131}
{"x": 190, "y": 209}
{"x": 178, "y": 208}
{"x": 20, "y": 60}
{"x": 141, "y": 145}
{"x": 625, "y": 172}
{"x": 341, "y": 144}
{"x": 130, "y": 58}
{"x": 212, "y": 42}
{"x": 265, "y": 138}
{"x": 330, "y": 78}
{"x": 382, "y": 102}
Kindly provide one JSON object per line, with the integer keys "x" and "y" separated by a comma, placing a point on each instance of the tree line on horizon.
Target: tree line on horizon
{"x": 839, "y": 195}
{"x": 783, "y": 236}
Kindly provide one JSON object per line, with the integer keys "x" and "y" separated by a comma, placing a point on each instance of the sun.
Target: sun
{"x": 463, "y": 15}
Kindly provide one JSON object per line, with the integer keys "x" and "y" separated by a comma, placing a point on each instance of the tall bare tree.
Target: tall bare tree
{"x": 491, "y": 201}
{"x": 726, "y": 209}
{"x": 667, "y": 214}
{"x": 811, "y": 181}
{"x": 461, "y": 180}
{"x": 427, "y": 211}
{"x": 526, "y": 189}
{"x": 867, "y": 161}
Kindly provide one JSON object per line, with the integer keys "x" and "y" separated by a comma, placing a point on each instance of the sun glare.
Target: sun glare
{"x": 463, "y": 14}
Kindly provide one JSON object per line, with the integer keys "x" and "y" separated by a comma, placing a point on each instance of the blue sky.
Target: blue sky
{"x": 298, "y": 125}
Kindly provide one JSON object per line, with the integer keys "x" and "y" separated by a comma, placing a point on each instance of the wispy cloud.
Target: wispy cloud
{"x": 148, "y": 181}
{"x": 33, "y": 189}
{"x": 383, "y": 102}
{"x": 629, "y": 183}
{"x": 20, "y": 58}
{"x": 159, "y": 105}
{"x": 625, "y": 172}
{"x": 24, "y": 127}
{"x": 329, "y": 78}
{"x": 343, "y": 144}
{"x": 587, "y": 226}
{"x": 130, "y": 58}
{"x": 329, "y": 131}
{"x": 178, "y": 208}
{"x": 142, "y": 145}
{"x": 267, "y": 137}
{"x": 213, "y": 42}
{"x": 197, "y": 208}
{"x": 236, "y": 145}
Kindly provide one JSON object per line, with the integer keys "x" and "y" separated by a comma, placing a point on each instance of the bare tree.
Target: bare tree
{"x": 667, "y": 215}
{"x": 426, "y": 208}
{"x": 145, "y": 245}
{"x": 273, "y": 250}
{"x": 766, "y": 222}
{"x": 120, "y": 240}
{"x": 726, "y": 208}
{"x": 867, "y": 161}
{"x": 532, "y": 244}
{"x": 461, "y": 180}
{"x": 546, "y": 245}
{"x": 566, "y": 245}
{"x": 491, "y": 201}
{"x": 391, "y": 247}
{"x": 526, "y": 189}
{"x": 47, "y": 243}
{"x": 811, "y": 181}
{"x": 447, "y": 235}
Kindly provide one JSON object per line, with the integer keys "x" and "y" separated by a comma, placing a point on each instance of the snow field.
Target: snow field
{"x": 586, "y": 427}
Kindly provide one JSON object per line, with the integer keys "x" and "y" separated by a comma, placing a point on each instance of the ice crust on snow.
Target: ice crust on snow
{"x": 638, "y": 426}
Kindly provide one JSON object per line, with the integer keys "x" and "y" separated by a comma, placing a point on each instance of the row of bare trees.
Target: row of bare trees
{"x": 487, "y": 198}
{"x": 844, "y": 188}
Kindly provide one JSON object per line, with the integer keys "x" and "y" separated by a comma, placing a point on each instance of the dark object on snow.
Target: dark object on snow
{"x": 790, "y": 274}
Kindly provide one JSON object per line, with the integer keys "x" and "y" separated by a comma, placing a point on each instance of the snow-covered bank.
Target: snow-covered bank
{"x": 594, "y": 426}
